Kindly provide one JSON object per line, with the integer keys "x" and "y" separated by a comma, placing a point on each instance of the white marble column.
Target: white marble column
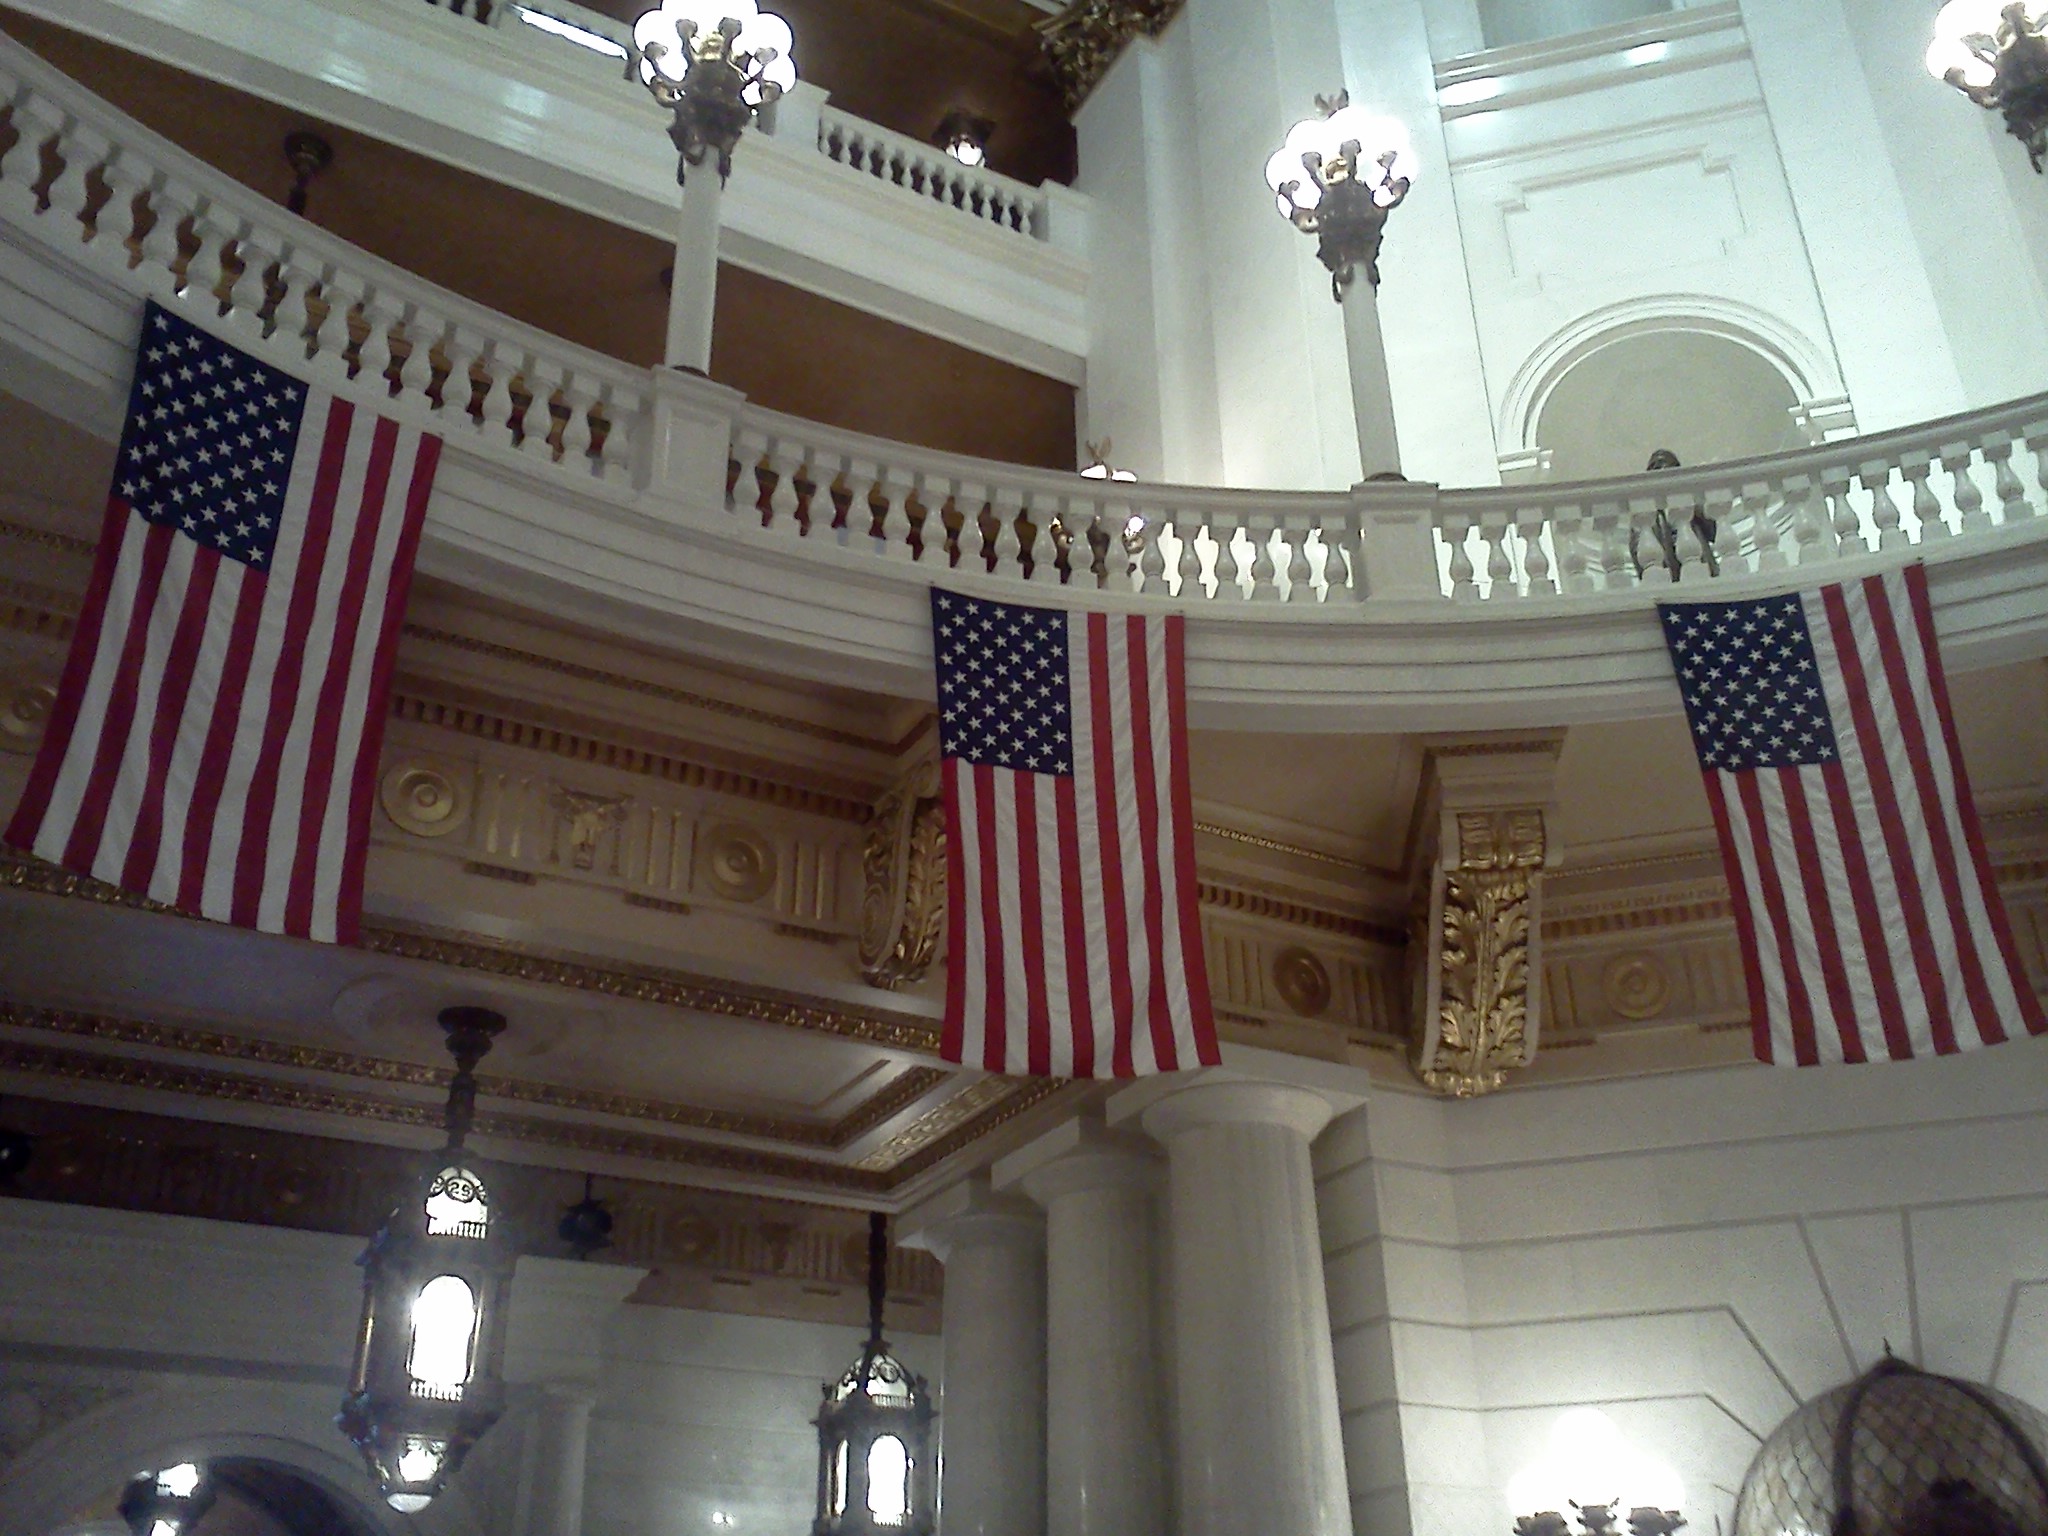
{"x": 693, "y": 284}
{"x": 1261, "y": 1447}
{"x": 1372, "y": 395}
{"x": 1105, "y": 1463}
{"x": 992, "y": 1407}
{"x": 551, "y": 1461}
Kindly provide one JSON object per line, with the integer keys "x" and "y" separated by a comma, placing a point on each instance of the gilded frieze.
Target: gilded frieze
{"x": 903, "y": 868}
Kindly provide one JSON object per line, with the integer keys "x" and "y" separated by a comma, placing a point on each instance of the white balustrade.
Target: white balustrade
{"x": 103, "y": 197}
{"x": 929, "y": 172}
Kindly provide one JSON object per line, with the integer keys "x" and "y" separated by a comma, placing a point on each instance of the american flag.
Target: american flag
{"x": 1871, "y": 927}
{"x": 1075, "y": 945}
{"x": 214, "y": 739}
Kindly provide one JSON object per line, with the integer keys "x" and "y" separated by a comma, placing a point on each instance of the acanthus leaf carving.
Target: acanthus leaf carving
{"x": 903, "y": 863}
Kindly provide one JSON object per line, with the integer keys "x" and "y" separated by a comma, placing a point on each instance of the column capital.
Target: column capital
{"x": 1081, "y": 1155}
{"x": 1239, "y": 1102}
{"x": 971, "y": 1213}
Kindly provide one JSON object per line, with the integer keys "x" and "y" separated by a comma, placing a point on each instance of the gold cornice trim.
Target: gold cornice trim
{"x": 668, "y": 693}
{"x": 905, "y": 1089}
{"x": 1292, "y": 850}
{"x": 1230, "y": 898}
{"x": 22, "y": 533}
{"x": 471, "y": 952}
{"x": 1026, "y": 1093}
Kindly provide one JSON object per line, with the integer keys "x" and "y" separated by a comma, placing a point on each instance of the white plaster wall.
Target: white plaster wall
{"x": 702, "y": 1412}
{"x": 1696, "y": 1254}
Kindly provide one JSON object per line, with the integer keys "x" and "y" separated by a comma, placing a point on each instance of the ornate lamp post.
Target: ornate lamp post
{"x": 714, "y": 64}
{"x": 875, "y": 1472}
{"x": 1337, "y": 177}
{"x": 1995, "y": 54}
{"x": 427, "y": 1378}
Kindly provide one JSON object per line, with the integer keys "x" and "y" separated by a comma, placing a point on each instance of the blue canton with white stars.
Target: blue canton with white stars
{"x": 1751, "y": 685}
{"x": 1004, "y": 700}
{"x": 209, "y": 441}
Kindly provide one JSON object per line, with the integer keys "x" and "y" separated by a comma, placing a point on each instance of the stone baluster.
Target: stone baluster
{"x": 1456, "y": 525}
{"x": 373, "y": 353}
{"x": 21, "y": 163}
{"x": 856, "y": 525}
{"x": 204, "y": 268}
{"x": 1842, "y": 519}
{"x": 1500, "y": 563}
{"x": 1043, "y": 510}
{"x": 1528, "y": 526}
{"x": 1301, "y": 574}
{"x": 459, "y": 392}
{"x": 1575, "y": 542}
{"x": 894, "y": 527}
{"x": 1188, "y": 567}
{"x": 1968, "y": 497}
{"x": 749, "y": 448}
{"x": 785, "y": 501}
{"x": 169, "y": 204}
{"x": 581, "y": 395}
{"x": 1005, "y": 505}
{"x": 1341, "y": 574}
{"x": 328, "y": 347}
{"x": 936, "y": 495}
{"x": 81, "y": 149}
{"x": 290, "y": 316}
{"x": 243, "y": 294}
{"x": 537, "y": 422}
{"x": 1716, "y": 512}
{"x": 1770, "y": 521}
{"x": 624, "y": 411}
{"x": 498, "y": 425}
{"x": 1916, "y": 467}
{"x": 1876, "y": 478}
{"x": 1224, "y": 530}
{"x": 416, "y": 374}
{"x": 1813, "y": 536}
{"x": 2012, "y": 496}
{"x": 1258, "y": 532}
{"x": 2036, "y": 435}
{"x": 118, "y": 223}
{"x": 1646, "y": 556}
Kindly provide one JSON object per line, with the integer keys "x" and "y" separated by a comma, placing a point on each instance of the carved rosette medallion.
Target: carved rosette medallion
{"x": 1478, "y": 1027}
{"x": 24, "y": 709}
{"x": 425, "y": 798}
{"x": 1636, "y": 985}
{"x": 904, "y": 865}
{"x": 736, "y": 861}
{"x": 1302, "y": 981}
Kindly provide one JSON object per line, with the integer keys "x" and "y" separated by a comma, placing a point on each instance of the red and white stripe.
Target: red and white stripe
{"x": 1870, "y": 924}
{"x": 215, "y": 736}
{"x": 1076, "y": 941}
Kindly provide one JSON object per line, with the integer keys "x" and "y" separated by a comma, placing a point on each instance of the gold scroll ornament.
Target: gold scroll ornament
{"x": 1479, "y": 1029}
{"x": 904, "y": 865}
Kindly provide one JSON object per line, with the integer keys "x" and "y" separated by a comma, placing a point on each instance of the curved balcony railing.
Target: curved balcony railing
{"x": 612, "y": 458}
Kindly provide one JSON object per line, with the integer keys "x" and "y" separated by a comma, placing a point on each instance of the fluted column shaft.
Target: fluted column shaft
{"x": 552, "y": 1461}
{"x": 693, "y": 281}
{"x": 1105, "y": 1467}
{"x": 1261, "y": 1447}
{"x": 992, "y": 1415}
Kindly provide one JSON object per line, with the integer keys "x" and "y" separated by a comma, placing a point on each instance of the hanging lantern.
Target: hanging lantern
{"x": 875, "y": 1472}
{"x": 427, "y": 1379}
{"x": 168, "y": 1501}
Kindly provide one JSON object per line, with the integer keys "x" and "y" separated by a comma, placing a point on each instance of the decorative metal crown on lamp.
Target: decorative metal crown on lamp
{"x": 1337, "y": 177}
{"x": 875, "y": 1474}
{"x": 1996, "y": 55}
{"x": 714, "y": 63}
{"x": 427, "y": 1379}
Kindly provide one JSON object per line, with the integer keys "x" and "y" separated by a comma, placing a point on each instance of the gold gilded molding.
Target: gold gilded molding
{"x": 1302, "y": 981}
{"x": 1082, "y": 41}
{"x": 426, "y": 798}
{"x": 928, "y": 1127}
{"x": 1292, "y": 850}
{"x": 903, "y": 861}
{"x": 589, "y": 818}
{"x": 736, "y": 861}
{"x": 472, "y": 952}
{"x": 21, "y": 533}
{"x": 1635, "y": 985}
{"x": 1231, "y": 898}
{"x": 1482, "y": 908}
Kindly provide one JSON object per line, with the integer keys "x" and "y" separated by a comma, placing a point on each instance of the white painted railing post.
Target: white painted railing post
{"x": 1397, "y": 554}
{"x": 689, "y": 440}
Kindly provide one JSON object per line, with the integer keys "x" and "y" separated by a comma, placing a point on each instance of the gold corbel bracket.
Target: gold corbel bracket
{"x": 904, "y": 863}
{"x": 1480, "y": 916}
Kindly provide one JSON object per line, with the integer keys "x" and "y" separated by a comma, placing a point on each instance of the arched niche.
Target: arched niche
{"x": 286, "y": 1428}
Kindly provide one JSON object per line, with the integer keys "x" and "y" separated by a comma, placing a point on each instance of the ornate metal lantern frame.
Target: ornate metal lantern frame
{"x": 2001, "y": 64}
{"x": 168, "y": 1501}
{"x": 427, "y": 1380}
{"x": 728, "y": 73}
{"x": 1328, "y": 184}
{"x": 879, "y": 1399}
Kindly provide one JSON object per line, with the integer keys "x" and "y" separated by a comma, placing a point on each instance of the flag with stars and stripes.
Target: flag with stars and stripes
{"x": 214, "y": 739}
{"x": 1870, "y": 924}
{"x": 1074, "y": 939}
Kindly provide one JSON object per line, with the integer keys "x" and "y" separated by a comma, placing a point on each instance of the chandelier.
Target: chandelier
{"x": 714, "y": 64}
{"x": 1337, "y": 177}
{"x": 427, "y": 1379}
{"x": 1996, "y": 55}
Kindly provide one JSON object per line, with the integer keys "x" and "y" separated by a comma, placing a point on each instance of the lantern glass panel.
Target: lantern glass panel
{"x": 839, "y": 1479}
{"x": 888, "y": 1481}
{"x": 443, "y": 1324}
{"x": 457, "y": 1205}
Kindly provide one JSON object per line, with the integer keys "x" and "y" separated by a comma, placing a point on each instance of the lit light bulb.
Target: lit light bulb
{"x": 178, "y": 1482}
